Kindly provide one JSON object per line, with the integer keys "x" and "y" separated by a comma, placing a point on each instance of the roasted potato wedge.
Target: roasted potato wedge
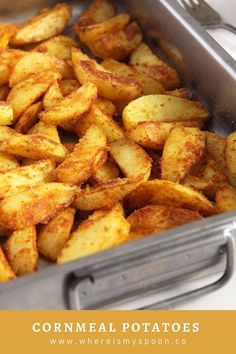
{"x": 184, "y": 147}
{"x": 53, "y": 236}
{"x": 7, "y": 162}
{"x": 25, "y": 93}
{"x": 99, "y": 11}
{"x": 131, "y": 158}
{"x": 148, "y": 63}
{"x": 49, "y": 23}
{"x": 22, "y": 178}
{"x": 53, "y": 96}
{"x": 109, "y": 170}
{"x": 49, "y": 130}
{"x": 6, "y": 272}
{"x": 216, "y": 148}
{"x": 7, "y": 133}
{"x": 6, "y": 114}
{"x": 59, "y": 47}
{"x": 160, "y": 192}
{"x": 95, "y": 116}
{"x": 159, "y": 218}
{"x": 104, "y": 229}
{"x": 28, "y": 118}
{"x": 109, "y": 85}
{"x": 21, "y": 251}
{"x": 37, "y": 205}
{"x": 72, "y": 106}
{"x": 105, "y": 194}
{"x": 230, "y": 157}
{"x": 6, "y": 32}
{"x": 88, "y": 155}
{"x": 106, "y": 106}
{"x": 8, "y": 60}
{"x": 163, "y": 108}
{"x": 68, "y": 86}
{"x": 226, "y": 198}
{"x": 34, "y": 146}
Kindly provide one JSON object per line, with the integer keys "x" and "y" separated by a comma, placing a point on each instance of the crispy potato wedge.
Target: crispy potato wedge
{"x": 25, "y": 93}
{"x": 216, "y": 148}
{"x": 53, "y": 96}
{"x": 88, "y": 155}
{"x": 53, "y": 236}
{"x": 160, "y": 192}
{"x": 226, "y": 198}
{"x": 59, "y": 47}
{"x": 22, "y": 178}
{"x": 105, "y": 194}
{"x": 230, "y": 157}
{"x": 7, "y": 162}
{"x": 109, "y": 85}
{"x": 7, "y": 133}
{"x": 131, "y": 158}
{"x": 109, "y": 170}
{"x": 148, "y": 63}
{"x": 117, "y": 45}
{"x": 28, "y": 118}
{"x": 21, "y": 251}
{"x": 103, "y": 229}
{"x": 160, "y": 218}
{"x": 184, "y": 147}
{"x": 49, "y": 130}
{"x": 99, "y": 11}
{"x": 34, "y": 206}
{"x": 6, "y": 273}
{"x": 163, "y": 108}
{"x": 36, "y": 146}
{"x": 4, "y": 92}
{"x": 6, "y": 32}
{"x": 68, "y": 86}
{"x": 95, "y": 116}
{"x": 48, "y": 23}
{"x": 72, "y": 106}
{"x": 6, "y": 114}
{"x": 106, "y": 106}
{"x": 8, "y": 60}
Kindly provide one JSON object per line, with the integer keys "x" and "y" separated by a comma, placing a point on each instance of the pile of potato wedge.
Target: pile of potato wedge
{"x": 95, "y": 153}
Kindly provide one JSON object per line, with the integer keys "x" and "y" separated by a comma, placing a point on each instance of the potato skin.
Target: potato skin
{"x": 226, "y": 198}
{"x": 230, "y": 155}
{"x": 6, "y": 273}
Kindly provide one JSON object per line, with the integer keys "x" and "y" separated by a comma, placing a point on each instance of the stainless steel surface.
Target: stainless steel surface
{"x": 206, "y": 15}
{"x": 160, "y": 262}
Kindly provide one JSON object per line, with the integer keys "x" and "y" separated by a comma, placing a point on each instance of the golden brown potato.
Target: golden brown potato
{"x": 230, "y": 157}
{"x": 163, "y": 108}
{"x": 216, "y": 148}
{"x": 21, "y": 251}
{"x": 105, "y": 194}
{"x": 72, "y": 106}
{"x": 69, "y": 146}
{"x": 88, "y": 155}
{"x": 34, "y": 206}
{"x": 117, "y": 45}
{"x": 106, "y": 106}
{"x": 109, "y": 85}
{"x": 49, "y": 130}
{"x": 22, "y": 178}
{"x": 109, "y": 170}
{"x": 4, "y": 92}
{"x": 7, "y": 162}
{"x": 48, "y": 23}
{"x": 148, "y": 63}
{"x": 68, "y": 86}
{"x": 6, "y": 273}
{"x": 59, "y": 47}
{"x": 53, "y": 96}
{"x": 28, "y": 118}
{"x": 25, "y": 93}
{"x": 99, "y": 11}
{"x": 53, "y": 236}
{"x": 226, "y": 198}
{"x": 95, "y": 116}
{"x": 6, "y": 114}
{"x": 104, "y": 229}
{"x": 8, "y": 60}
{"x": 160, "y": 192}
{"x": 184, "y": 147}
{"x": 131, "y": 158}
{"x": 7, "y": 133}
{"x": 149, "y": 85}
{"x": 6, "y": 32}
{"x": 34, "y": 146}
{"x": 160, "y": 218}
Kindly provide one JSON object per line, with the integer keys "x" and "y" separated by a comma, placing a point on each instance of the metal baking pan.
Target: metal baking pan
{"x": 158, "y": 264}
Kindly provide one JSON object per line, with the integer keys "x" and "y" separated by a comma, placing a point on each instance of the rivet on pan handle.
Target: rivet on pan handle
{"x": 229, "y": 271}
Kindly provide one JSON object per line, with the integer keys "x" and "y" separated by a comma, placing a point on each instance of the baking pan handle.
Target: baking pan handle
{"x": 229, "y": 271}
